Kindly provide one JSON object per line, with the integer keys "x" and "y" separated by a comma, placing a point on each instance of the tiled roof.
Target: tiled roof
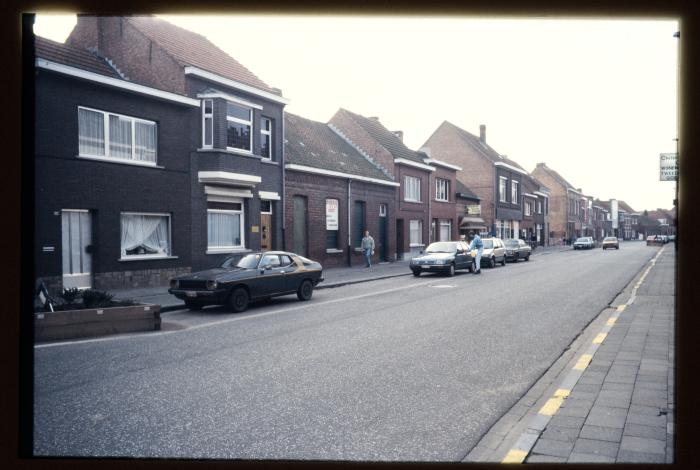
{"x": 189, "y": 48}
{"x": 315, "y": 144}
{"x": 482, "y": 147}
{"x": 386, "y": 138}
{"x": 461, "y": 188}
{"x": 625, "y": 207}
{"x": 67, "y": 55}
{"x": 557, "y": 177}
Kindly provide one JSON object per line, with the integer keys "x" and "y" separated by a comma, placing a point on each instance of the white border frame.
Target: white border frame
{"x": 405, "y": 187}
{"x": 206, "y": 115}
{"x": 268, "y": 133}
{"x": 240, "y": 121}
{"x": 502, "y": 197}
{"x": 447, "y": 189}
{"x": 148, "y": 257}
{"x": 231, "y": 248}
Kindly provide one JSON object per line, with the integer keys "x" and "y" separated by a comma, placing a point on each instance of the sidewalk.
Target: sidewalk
{"x": 616, "y": 404}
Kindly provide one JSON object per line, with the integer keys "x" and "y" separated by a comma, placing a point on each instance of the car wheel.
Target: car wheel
{"x": 527, "y": 258}
{"x": 193, "y": 305}
{"x": 472, "y": 266}
{"x": 238, "y": 301}
{"x": 451, "y": 270}
{"x": 305, "y": 291}
{"x": 617, "y": 247}
{"x": 492, "y": 262}
{"x": 516, "y": 258}
{"x": 503, "y": 261}
{"x": 416, "y": 272}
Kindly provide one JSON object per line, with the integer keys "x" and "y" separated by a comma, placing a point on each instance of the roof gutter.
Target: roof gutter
{"x": 338, "y": 174}
{"x": 190, "y": 70}
{"x": 511, "y": 167}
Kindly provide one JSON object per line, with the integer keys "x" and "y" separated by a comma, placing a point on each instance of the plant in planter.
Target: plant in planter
{"x": 93, "y": 298}
{"x": 69, "y": 299}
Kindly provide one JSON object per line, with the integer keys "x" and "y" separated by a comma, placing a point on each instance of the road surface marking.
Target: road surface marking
{"x": 621, "y": 308}
{"x": 583, "y": 362}
{"x": 551, "y": 406}
{"x": 562, "y": 393}
{"x": 514, "y": 456}
{"x": 600, "y": 338}
{"x": 611, "y": 321}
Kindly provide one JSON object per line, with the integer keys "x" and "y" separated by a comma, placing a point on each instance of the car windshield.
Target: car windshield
{"x": 442, "y": 247}
{"x": 511, "y": 243}
{"x": 610, "y": 239}
{"x": 488, "y": 244}
{"x": 582, "y": 240}
{"x": 236, "y": 261}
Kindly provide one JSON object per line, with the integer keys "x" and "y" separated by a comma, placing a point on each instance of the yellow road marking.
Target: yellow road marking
{"x": 611, "y": 321}
{"x": 562, "y": 393}
{"x": 514, "y": 456}
{"x": 621, "y": 308}
{"x": 551, "y": 406}
{"x": 583, "y": 362}
{"x": 600, "y": 338}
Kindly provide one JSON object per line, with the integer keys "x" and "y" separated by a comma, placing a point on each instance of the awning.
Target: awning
{"x": 475, "y": 223}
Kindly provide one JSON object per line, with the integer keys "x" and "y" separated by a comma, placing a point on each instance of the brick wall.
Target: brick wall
{"x": 440, "y": 209}
{"x": 558, "y": 202}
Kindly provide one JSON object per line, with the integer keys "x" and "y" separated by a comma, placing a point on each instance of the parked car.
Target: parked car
{"x": 611, "y": 242}
{"x": 494, "y": 252}
{"x": 584, "y": 243}
{"x": 242, "y": 278}
{"x": 517, "y": 249}
{"x": 656, "y": 240}
{"x": 672, "y": 238}
{"x": 444, "y": 257}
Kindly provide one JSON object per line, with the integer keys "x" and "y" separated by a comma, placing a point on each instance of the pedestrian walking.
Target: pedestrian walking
{"x": 477, "y": 244}
{"x": 368, "y": 248}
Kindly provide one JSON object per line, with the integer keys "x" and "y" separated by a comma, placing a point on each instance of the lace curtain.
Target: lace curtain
{"x": 91, "y": 133}
{"x": 224, "y": 229}
{"x": 145, "y": 235}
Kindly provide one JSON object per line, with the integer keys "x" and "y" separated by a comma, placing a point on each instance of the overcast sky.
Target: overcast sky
{"x": 594, "y": 99}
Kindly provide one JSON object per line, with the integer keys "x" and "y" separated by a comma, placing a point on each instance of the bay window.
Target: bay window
{"x": 225, "y": 228}
{"x": 239, "y": 132}
{"x": 207, "y": 124}
{"x": 115, "y": 136}
{"x": 145, "y": 235}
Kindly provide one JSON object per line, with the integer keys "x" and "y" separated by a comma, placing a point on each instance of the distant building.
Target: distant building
{"x": 567, "y": 205}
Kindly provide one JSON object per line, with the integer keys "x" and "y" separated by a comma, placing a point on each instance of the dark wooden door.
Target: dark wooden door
{"x": 265, "y": 232}
{"x": 382, "y": 239}
{"x": 300, "y": 227}
{"x": 399, "y": 238}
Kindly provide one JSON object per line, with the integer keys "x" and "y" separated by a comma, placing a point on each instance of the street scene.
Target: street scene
{"x": 394, "y": 369}
{"x": 396, "y": 256}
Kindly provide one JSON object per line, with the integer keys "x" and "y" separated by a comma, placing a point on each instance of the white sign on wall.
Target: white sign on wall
{"x": 668, "y": 167}
{"x": 331, "y": 214}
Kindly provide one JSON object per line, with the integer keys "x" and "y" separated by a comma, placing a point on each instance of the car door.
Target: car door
{"x": 271, "y": 275}
{"x": 291, "y": 275}
{"x": 499, "y": 249}
{"x": 462, "y": 257}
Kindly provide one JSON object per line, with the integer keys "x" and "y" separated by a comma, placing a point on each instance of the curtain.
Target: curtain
{"x": 145, "y": 234}
{"x": 119, "y": 137}
{"x": 91, "y": 133}
{"x": 224, "y": 229}
{"x": 145, "y": 142}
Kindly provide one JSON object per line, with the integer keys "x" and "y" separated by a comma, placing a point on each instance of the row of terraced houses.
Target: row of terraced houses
{"x": 157, "y": 154}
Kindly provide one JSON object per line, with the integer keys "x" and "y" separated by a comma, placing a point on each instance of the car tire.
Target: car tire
{"x": 492, "y": 262}
{"x": 515, "y": 258}
{"x": 193, "y": 305}
{"x": 305, "y": 291}
{"x": 527, "y": 258}
{"x": 451, "y": 270}
{"x": 416, "y": 272}
{"x": 503, "y": 261}
{"x": 617, "y": 247}
{"x": 472, "y": 266}
{"x": 238, "y": 300}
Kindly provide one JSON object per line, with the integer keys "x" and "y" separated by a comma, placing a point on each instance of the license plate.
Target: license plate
{"x": 191, "y": 294}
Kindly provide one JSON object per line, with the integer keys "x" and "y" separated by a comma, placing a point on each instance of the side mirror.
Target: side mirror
{"x": 265, "y": 268}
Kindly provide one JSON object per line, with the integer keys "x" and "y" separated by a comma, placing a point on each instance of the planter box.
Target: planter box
{"x": 71, "y": 324}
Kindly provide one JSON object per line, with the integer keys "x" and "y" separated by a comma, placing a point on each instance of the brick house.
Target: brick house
{"x": 602, "y": 223}
{"x": 235, "y": 155}
{"x": 333, "y": 193}
{"x": 628, "y": 221}
{"x": 494, "y": 178}
{"x": 565, "y": 205}
{"x": 424, "y": 210}
{"x": 112, "y": 174}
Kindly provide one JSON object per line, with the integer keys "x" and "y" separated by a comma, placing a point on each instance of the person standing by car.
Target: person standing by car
{"x": 368, "y": 248}
{"x": 477, "y": 244}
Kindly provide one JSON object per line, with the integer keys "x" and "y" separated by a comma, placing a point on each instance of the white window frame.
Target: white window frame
{"x": 263, "y": 131}
{"x": 539, "y": 207}
{"x": 105, "y": 123}
{"x": 147, "y": 257}
{"x": 266, "y": 212}
{"x": 412, "y": 185}
{"x": 514, "y": 192}
{"x": 419, "y": 242}
{"x": 442, "y": 189}
{"x": 445, "y": 223}
{"x": 382, "y": 210}
{"x": 228, "y": 249}
{"x": 502, "y": 188}
{"x": 528, "y": 208}
{"x": 206, "y": 116}
{"x": 240, "y": 121}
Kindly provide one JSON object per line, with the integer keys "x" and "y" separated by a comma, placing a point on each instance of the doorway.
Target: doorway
{"x": 265, "y": 225}
{"x": 399, "y": 239}
{"x": 299, "y": 229}
{"x": 76, "y": 237}
{"x": 382, "y": 235}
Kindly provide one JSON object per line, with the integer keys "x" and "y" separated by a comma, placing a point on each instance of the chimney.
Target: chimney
{"x": 482, "y": 133}
{"x": 399, "y": 134}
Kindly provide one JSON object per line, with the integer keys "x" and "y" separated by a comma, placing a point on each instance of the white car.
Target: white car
{"x": 584, "y": 243}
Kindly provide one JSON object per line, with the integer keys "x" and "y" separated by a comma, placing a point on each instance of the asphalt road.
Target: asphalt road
{"x": 408, "y": 369}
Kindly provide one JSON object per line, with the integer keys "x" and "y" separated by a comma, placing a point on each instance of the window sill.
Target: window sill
{"x": 230, "y": 152}
{"x": 121, "y": 161}
{"x": 413, "y": 202}
{"x": 221, "y": 251}
{"x": 146, "y": 258}
{"x": 333, "y": 251}
{"x": 441, "y": 200}
{"x": 416, "y": 245}
{"x": 269, "y": 161}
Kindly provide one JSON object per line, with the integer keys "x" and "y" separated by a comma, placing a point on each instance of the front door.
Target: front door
{"x": 300, "y": 225}
{"x": 76, "y": 236}
{"x": 265, "y": 232}
{"x": 399, "y": 239}
{"x": 383, "y": 255}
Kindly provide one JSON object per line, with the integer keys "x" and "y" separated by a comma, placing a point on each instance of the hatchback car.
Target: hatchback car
{"x": 611, "y": 242}
{"x": 444, "y": 257}
{"x": 494, "y": 252}
{"x": 242, "y": 278}
{"x": 584, "y": 243}
{"x": 517, "y": 249}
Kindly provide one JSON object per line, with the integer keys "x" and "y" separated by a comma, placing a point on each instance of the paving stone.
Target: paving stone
{"x": 596, "y": 447}
{"x": 589, "y": 458}
{"x": 616, "y": 398}
{"x": 539, "y": 458}
{"x": 552, "y": 447}
{"x": 651, "y": 378}
{"x": 625, "y": 379}
{"x": 623, "y": 370}
{"x": 560, "y": 433}
{"x": 567, "y": 422}
{"x": 592, "y": 378}
{"x": 607, "y": 416}
{"x": 650, "y": 432}
{"x": 645, "y": 410}
{"x": 643, "y": 444}
{"x": 627, "y": 387}
{"x": 575, "y": 411}
{"x": 645, "y": 420}
{"x": 586, "y": 388}
{"x": 577, "y": 400}
{"x": 601, "y": 433}
{"x": 642, "y": 385}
